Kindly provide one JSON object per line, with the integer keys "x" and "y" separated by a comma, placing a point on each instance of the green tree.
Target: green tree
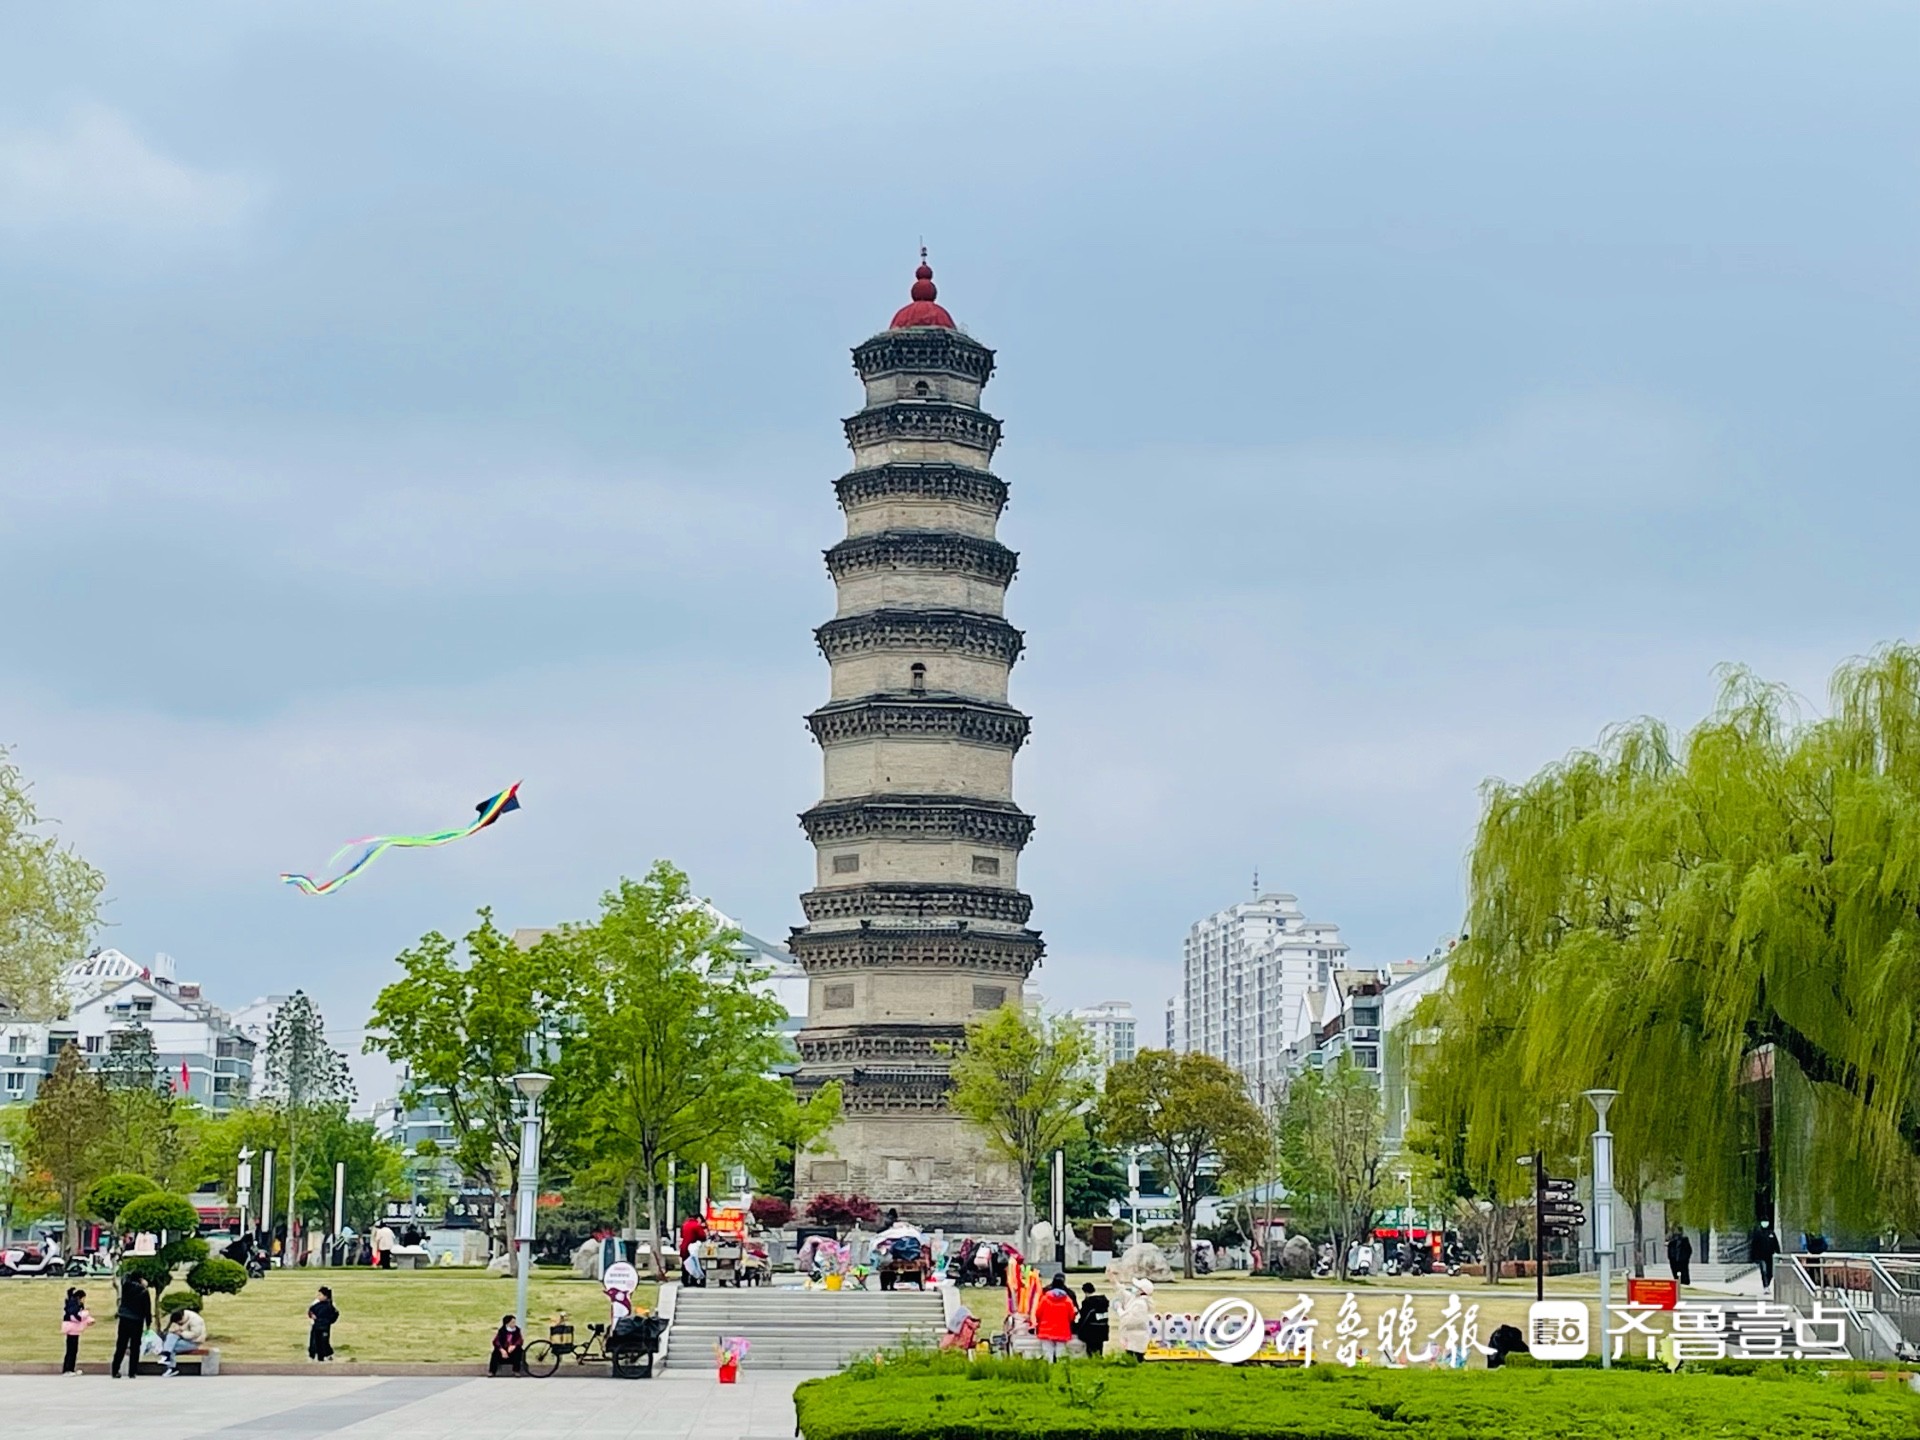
{"x": 1693, "y": 920}
{"x": 1096, "y": 1177}
{"x": 49, "y": 901}
{"x": 173, "y": 1221}
{"x": 153, "y": 1129}
{"x": 1332, "y": 1148}
{"x": 461, "y": 1022}
{"x": 68, "y": 1125}
{"x": 110, "y": 1194}
{"x": 26, "y": 1193}
{"x": 795, "y": 1125}
{"x": 307, "y": 1079}
{"x": 673, "y": 1041}
{"x": 1023, "y": 1083}
{"x": 376, "y": 1169}
{"x": 1192, "y": 1111}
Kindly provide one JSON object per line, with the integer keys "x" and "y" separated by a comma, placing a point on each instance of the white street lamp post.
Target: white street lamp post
{"x": 1603, "y": 1216}
{"x": 532, "y": 1084}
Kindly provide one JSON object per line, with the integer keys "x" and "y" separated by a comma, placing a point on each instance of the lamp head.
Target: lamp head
{"x": 532, "y": 1083}
{"x": 1600, "y": 1100}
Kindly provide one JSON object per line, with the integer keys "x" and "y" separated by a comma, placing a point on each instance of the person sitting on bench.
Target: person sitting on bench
{"x": 186, "y": 1333}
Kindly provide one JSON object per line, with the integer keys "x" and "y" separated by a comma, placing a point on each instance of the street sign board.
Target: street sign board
{"x": 1557, "y": 1187}
{"x": 1566, "y": 1214}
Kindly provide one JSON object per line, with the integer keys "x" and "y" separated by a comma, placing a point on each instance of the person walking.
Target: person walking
{"x": 1762, "y": 1246}
{"x": 131, "y": 1316}
{"x": 509, "y": 1348}
{"x": 74, "y": 1321}
{"x": 1680, "y": 1256}
{"x": 383, "y": 1245}
{"x": 322, "y": 1314}
{"x": 1133, "y": 1322}
{"x": 1053, "y": 1318}
{"x": 1091, "y": 1325}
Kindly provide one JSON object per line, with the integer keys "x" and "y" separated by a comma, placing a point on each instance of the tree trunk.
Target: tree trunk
{"x": 1187, "y": 1207}
{"x": 1639, "y": 1239}
{"x": 653, "y": 1225}
{"x": 70, "y": 1235}
{"x": 293, "y": 1140}
{"x": 1026, "y": 1212}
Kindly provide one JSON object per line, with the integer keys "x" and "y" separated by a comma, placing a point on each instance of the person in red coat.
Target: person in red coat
{"x": 1053, "y": 1318}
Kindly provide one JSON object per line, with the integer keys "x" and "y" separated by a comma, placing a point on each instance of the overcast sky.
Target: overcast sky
{"x": 398, "y": 401}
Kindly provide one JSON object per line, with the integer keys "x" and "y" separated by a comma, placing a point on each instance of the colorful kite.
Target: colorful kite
{"x": 488, "y": 811}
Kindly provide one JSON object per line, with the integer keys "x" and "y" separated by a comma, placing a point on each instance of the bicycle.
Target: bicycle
{"x": 631, "y": 1359}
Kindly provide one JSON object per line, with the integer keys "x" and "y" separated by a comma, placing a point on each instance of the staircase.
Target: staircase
{"x": 816, "y": 1330}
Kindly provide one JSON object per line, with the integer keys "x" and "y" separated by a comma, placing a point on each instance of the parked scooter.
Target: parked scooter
{"x": 26, "y": 1261}
{"x": 81, "y": 1267}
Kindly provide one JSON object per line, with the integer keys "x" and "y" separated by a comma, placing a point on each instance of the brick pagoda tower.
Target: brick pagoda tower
{"x": 916, "y": 922}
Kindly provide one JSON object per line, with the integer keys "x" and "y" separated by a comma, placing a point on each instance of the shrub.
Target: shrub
{"x": 218, "y": 1276}
{"x": 770, "y": 1212}
{"x": 111, "y": 1194}
{"x": 840, "y": 1211}
{"x": 157, "y": 1273}
{"x": 178, "y": 1300}
{"x": 944, "y": 1398}
{"x": 160, "y": 1213}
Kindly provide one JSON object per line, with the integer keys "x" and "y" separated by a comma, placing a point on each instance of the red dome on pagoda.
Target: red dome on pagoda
{"x": 922, "y": 310}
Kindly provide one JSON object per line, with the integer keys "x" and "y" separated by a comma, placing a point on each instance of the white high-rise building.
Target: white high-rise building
{"x": 1115, "y": 1032}
{"x": 1248, "y": 970}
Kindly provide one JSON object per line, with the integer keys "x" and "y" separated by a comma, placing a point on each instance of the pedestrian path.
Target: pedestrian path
{"x": 673, "y": 1407}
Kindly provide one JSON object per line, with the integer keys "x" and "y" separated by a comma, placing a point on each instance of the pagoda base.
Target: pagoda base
{"x": 933, "y": 1168}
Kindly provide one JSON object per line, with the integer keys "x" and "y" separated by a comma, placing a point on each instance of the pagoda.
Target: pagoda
{"x": 916, "y": 922}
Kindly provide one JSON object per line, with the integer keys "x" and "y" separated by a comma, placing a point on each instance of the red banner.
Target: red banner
{"x": 1656, "y": 1294}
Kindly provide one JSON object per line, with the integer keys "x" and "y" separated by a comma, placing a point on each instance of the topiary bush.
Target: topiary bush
{"x": 110, "y": 1194}
{"x": 156, "y": 1272}
{"x": 178, "y": 1300}
{"x": 160, "y": 1214}
{"x": 218, "y": 1276}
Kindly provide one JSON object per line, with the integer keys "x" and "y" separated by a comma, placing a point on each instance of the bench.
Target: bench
{"x": 204, "y": 1361}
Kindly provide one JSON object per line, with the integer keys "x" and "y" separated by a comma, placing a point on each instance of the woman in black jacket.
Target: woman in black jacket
{"x": 1091, "y": 1324}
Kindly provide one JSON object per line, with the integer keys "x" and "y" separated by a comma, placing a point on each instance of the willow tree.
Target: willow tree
{"x": 1708, "y": 921}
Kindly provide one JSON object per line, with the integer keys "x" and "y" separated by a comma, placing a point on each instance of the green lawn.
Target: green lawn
{"x": 391, "y": 1316}
{"x": 946, "y": 1399}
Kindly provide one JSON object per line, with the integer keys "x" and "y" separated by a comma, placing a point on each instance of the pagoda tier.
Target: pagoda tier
{"x": 916, "y": 924}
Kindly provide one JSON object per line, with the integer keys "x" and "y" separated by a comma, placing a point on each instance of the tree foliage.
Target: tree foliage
{"x": 1192, "y": 1111}
{"x": 307, "y": 1079}
{"x": 1675, "y": 917}
{"x": 110, "y": 1194}
{"x": 1332, "y": 1151}
{"x": 49, "y": 901}
{"x": 841, "y": 1211}
{"x": 1022, "y": 1082}
{"x": 1096, "y": 1177}
{"x": 461, "y": 1022}
{"x": 67, "y": 1129}
{"x": 674, "y": 1040}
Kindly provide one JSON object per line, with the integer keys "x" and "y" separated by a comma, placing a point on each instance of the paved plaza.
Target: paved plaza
{"x": 417, "y": 1408}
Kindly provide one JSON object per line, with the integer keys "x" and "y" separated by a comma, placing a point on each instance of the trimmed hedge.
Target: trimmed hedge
{"x": 177, "y": 1300}
{"x": 946, "y": 1398}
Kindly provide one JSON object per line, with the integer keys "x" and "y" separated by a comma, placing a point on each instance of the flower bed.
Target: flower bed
{"x": 947, "y": 1398}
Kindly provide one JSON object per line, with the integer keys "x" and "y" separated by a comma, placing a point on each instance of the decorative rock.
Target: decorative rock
{"x": 1296, "y": 1258}
{"x": 1141, "y": 1262}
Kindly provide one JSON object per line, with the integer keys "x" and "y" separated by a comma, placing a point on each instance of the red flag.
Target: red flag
{"x": 186, "y": 1083}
